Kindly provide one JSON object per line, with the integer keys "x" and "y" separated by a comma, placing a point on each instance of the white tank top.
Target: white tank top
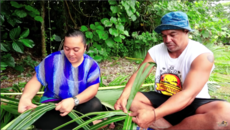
{"x": 171, "y": 73}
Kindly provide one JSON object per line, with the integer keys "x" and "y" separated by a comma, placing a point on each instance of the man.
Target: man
{"x": 180, "y": 99}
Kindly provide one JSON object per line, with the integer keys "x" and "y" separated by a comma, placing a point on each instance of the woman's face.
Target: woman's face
{"x": 74, "y": 49}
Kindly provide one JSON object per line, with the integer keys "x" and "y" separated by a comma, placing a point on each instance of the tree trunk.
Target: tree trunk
{"x": 43, "y": 38}
{"x": 66, "y": 19}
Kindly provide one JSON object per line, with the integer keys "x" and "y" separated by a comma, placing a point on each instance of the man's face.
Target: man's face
{"x": 74, "y": 49}
{"x": 174, "y": 39}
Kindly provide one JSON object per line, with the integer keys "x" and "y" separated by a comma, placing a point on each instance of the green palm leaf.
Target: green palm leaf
{"x": 128, "y": 123}
{"x": 108, "y": 121}
{"x": 73, "y": 115}
{"x": 105, "y": 115}
{"x": 9, "y": 100}
{"x": 109, "y": 97}
{"x": 137, "y": 83}
{"x": 134, "y": 126}
{"x": 100, "y": 116}
{"x": 16, "y": 120}
{"x": 29, "y": 117}
{"x": 35, "y": 115}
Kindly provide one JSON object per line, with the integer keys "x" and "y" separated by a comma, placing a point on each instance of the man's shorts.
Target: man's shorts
{"x": 157, "y": 99}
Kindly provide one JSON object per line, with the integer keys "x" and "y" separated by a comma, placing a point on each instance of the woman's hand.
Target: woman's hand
{"x": 31, "y": 88}
{"x": 25, "y": 104}
{"x": 65, "y": 106}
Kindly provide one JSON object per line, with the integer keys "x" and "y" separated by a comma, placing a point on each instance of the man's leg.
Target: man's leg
{"x": 141, "y": 101}
{"x": 213, "y": 115}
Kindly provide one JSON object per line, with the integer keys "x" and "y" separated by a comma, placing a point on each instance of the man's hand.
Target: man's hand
{"x": 121, "y": 104}
{"x": 25, "y": 104}
{"x": 143, "y": 118}
{"x": 65, "y": 106}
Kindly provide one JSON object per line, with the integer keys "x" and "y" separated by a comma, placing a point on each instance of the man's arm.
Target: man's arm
{"x": 194, "y": 82}
{"x": 122, "y": 101}
{"x": 66, "y": 105}
{"x": 197, "y": 77}
{"x": 31, "y": 88}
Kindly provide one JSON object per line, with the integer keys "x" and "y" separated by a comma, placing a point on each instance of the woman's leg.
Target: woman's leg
{"x": 92, "y": 105}
{"x": 52, "y": 119}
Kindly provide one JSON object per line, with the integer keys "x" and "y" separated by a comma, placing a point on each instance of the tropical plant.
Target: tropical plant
{"x": 105, "y": 37}
{"x": 13, "y": 40}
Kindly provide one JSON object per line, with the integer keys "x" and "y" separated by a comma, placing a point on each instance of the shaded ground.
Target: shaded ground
{"x": 109, "y": 71}
{"x": 115, "y": 68}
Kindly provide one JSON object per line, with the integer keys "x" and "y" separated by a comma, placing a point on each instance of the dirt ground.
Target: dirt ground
{"x": 110, "y": 69}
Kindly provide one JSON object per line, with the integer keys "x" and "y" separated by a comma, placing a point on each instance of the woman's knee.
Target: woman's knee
{"x": 96, "y": 104}
{"x": 92, "y": 105}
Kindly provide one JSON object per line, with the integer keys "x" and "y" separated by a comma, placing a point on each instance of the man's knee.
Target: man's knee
{"x": 140, "y": 97}
{"x": 223, "y": 111}
{"x": 218, "y": 113}
{"x": 140, "y": 101}
{"x": 222, "y": 108}
{"x": 217, "y": 106}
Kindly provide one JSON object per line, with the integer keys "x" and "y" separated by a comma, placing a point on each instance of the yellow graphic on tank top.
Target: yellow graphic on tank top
{"x": 169, "y": 84}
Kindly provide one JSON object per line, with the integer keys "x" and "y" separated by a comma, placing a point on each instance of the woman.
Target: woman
{"x": 71, "y": 79}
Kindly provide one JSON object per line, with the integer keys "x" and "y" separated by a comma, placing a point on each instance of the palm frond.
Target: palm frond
{"x": 108, "y": 121}
{"x": 100, "y": 115}
{"x": 128, "y": 123}
{"x": 29, "y": 117}
{"x": 137, "y": 82}
{"x": 73, "y": 115}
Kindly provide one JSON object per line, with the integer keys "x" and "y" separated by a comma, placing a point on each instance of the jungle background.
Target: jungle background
{"x": 119, "y": 34}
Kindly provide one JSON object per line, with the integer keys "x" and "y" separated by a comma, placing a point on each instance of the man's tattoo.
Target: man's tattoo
{"x": 210, "y": 58}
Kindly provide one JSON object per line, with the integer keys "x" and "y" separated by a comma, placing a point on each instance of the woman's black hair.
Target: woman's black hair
{"x": 76, "y": 33}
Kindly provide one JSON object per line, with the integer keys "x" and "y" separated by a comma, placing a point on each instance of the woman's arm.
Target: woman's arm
{"x": 88, "y": 93}
{"x": 31, "y": 88}
{"x": 66, "y": 105}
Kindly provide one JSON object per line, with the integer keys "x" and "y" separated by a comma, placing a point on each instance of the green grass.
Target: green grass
{"x": 221, "y": 73}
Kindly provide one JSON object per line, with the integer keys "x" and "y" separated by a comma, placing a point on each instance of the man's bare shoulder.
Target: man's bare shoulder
{"x": 204, "y": 60}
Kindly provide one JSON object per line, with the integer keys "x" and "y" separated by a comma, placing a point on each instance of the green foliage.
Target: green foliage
{"x": 38, "y": 18}
{"x": 109, "y": 33}
{"x": 24, "y": 121}
{"x": 8, "y": 112}
{"x": 13, "y": 39}
{"x": 128, "y": 123}
{"x": 7, "y": 60}
{"x": 55, "y": 38}
{"x": 111, "y": 23}
{"x": 210, "y": 24}
{"x": 25, "y": 62}
{"x": 222, "y": 61}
